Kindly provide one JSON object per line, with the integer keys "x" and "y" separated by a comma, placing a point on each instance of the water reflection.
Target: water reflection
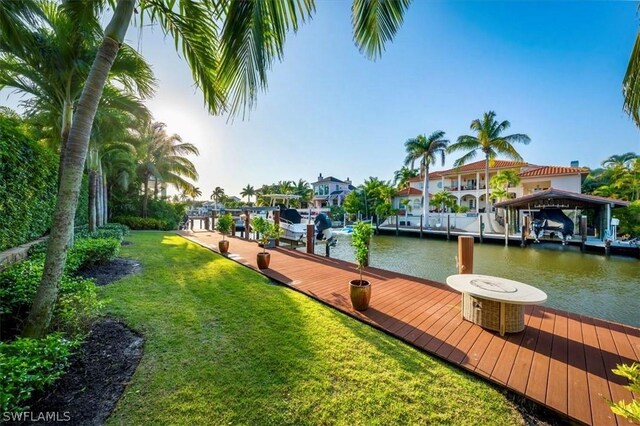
{"x": 599, "y": 286}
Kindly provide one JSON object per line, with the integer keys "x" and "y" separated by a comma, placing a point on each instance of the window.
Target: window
{"x": 439, "y": 185}
{"x": 337, "y": 187}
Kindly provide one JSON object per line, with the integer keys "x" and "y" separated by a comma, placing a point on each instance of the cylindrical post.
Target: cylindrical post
{"x": 310, "y": 234}
{"x": 247, "y": 224}
{"x": 191, "y": 224}
{"x": 507, "y": 221}
{"x": 206, "y": 223}
{"x": 233, "y": 229}
{"x": 481, "y": 227}
{"x": 213, "y": 219}
{"x": 465, "y": 254}
{"x": 327, "y": 249}
{"x": 448, "y": 227}
{"x": 421, "y": 226}
{"x": 397, "y": 226}
{"x": 583, "y": 232}
{"x": 276, "y": 220}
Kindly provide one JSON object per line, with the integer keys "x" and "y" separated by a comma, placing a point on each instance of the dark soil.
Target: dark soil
{"x": 534, "y": 414}
{"x": 110, "y": 272}
{"x": 98, "y": 375}
{"x": 125, "y": 243}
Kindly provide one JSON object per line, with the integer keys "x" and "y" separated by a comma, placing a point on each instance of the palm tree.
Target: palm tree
{"x": 504, "y": 179}
{"x": 490, "y": 141}
{"x": 161, "y": 158}
{"x": 304, "y": 190}
{"x": 229, "y": 47}
{"x": 623, "y": 160}
{"x": 443, "y": 199}
{"x": 248, "y": 192}
{"x": 426, "y": 149}
{"x": 631, "y": 84}
{"x": 402, "y": 177}
{"x": 217, "y": 195}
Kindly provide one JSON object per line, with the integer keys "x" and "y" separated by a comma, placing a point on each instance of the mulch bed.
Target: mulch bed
{"x": 97, "y": 377}
{"x": 110, "y": 272}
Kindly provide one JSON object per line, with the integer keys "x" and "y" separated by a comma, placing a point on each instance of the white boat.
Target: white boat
{"x": 291, "y": 222}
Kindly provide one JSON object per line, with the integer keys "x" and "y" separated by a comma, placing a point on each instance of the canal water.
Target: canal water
{"x": 589, "y": 284}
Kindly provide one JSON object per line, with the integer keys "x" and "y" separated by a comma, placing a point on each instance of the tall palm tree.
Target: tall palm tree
{"x": 217, "y": 195}
{"x": 228, "y": 45}
{"x": 248, "y": 191}
{"x": 490, "y": 141}
{"x": 623, "y": 160}
{"x": 504, "y": 179}
{"x": 304, "y": 190}
{"x": 161, "y": 158}
{"x": 427, "y": 150}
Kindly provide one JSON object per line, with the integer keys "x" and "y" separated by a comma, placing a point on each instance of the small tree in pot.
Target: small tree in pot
{"x": 266, "y": 231}
{"x": 223, "y": 226}
{"x": 360, "y": 290}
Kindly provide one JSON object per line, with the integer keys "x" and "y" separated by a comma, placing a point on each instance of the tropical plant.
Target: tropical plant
{"x": 402, "y": 177}
{"x": 631, "y": 84}
{"x": 501, "y": 182}
{"x": 304, "y": 190}
{"x": 443, "y": 199}
{"x": 224, "y": 224}
{"x": 217, "y": 195}
{"x": 161, "y": 157}
{"x": 427, "y": 150}
{"x": 228, "y": 47}
{"x": 266, "y": 231}
{"x": 360, "y": 240}
{"x": 630, "y": 410}
{"x": 248, "y": 192}
{"x": 490, "y": 141}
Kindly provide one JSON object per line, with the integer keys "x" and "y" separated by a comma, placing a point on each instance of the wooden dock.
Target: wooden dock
{"x": 561, "y": 360}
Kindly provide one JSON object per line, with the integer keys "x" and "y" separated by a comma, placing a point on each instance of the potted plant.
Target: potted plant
{"x": 266, "y": 231}
{"x": 360, "y": 290}
{"x": 223, "y": 226}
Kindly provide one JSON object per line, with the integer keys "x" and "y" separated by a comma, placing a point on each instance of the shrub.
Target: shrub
{"x": 77, "y": 306}
{"x": 143, "y": 223}
{"x": 28, "y": 186}
{"x": 630, "y": 410}
{"x": 29, "y": 365}
{"x": 89, "y": 251}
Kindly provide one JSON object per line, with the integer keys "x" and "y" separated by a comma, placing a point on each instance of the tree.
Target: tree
{"x": 304, "y": 190}
{"x": 161, "y": 158}
{"x": 217, "y": 195}
{"x": 248, "y": 192}
{"x": 229, "y": 47}
{"x": 402, "y": 177}
{"x": 490, "y": 141}
{"x": 631, "y": 84}
{"x": 623, "y": 160}
{"x": 501, "y": 182}
{"x": 427, "y": 150}
{"x": 443, "y": 199}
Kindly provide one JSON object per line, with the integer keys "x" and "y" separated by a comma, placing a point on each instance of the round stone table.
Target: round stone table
{"x": 493, "y": 302}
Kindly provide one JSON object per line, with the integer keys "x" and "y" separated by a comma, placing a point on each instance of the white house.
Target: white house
{"x": 329, "y": 191}
{"x": 467, "y": 182}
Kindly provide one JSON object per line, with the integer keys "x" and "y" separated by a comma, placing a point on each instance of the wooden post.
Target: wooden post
{"x": 448, "y": 227}
{"x": 206, "y": 223}
{"x": 233, "y": 229}
{"x": 420, "y": 226}
{"x": 213, "y": 219}
{"x": 397, "y": 226}
{"x": 191, "y": 224}
{"x": 247, "y": 224}
{"x": 481, "y": 227}
{"x": 507, "y": 221}
{"x": 583, "y": 232}
{"x": 310, "y": 235}
{"x": 465, "y": 254}
{"x": 276, "y": 220}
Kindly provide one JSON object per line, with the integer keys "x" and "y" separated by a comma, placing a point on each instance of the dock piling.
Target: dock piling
{"x": 465, "y": 254}
{"x": 448, "y": 227}
{"x": 481, "y": 228}
{"x": 310, "y": 235}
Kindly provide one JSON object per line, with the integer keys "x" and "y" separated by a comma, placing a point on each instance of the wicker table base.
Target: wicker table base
{"x": 498, "y": 316}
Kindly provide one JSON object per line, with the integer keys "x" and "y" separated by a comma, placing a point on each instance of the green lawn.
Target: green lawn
{"x": 226, "y": 346}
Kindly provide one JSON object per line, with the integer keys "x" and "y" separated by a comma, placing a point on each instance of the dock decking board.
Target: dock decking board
{"x": 561, "y": 360}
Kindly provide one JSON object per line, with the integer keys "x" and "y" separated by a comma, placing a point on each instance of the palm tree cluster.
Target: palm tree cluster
{"x": 618, "y": 178}
{"x": 301, "y": 188}
{"x": 488, "y": 139}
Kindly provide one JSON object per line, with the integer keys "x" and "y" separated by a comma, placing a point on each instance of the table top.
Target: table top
{"x": 497, "y": 289}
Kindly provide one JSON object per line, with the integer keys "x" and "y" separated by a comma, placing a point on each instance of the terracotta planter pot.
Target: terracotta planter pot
{"x": 263, "y": 260}
{"x": 223, "y": 246}
{"x": 360, "y": 292}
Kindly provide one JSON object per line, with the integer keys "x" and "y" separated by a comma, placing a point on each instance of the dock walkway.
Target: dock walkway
{"x": 561, "y": 360}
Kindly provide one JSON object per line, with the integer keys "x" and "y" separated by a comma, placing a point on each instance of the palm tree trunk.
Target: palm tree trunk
{"x": 71, "y": 176}
{"x": 425, "y": 195}
{"x": 155, "y": 188}
{"x": 145, "y": 198}
{"x": 486, "y": 183}
{"x": 92, "y": 200}
{"x": 100, "y": 203}
{"x": 106, "y": 202}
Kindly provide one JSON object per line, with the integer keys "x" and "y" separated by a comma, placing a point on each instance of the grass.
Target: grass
{"x": 225, "y": 345}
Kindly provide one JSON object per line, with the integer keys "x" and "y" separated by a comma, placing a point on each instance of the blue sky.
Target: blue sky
{"x": 553, "y": 69}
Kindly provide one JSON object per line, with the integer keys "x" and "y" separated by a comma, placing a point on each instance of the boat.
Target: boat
{"x": 291, "y": 222}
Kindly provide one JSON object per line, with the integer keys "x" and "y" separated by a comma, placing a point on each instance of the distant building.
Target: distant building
{"x": 329, "y": 191}
{"x": 467, "y": 183}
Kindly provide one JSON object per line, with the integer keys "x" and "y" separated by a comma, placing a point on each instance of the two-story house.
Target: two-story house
{"x": 467, "y": 183}
{"x": 329, "y": 191}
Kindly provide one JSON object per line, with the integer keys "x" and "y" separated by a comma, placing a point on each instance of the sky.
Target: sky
{"x": 553, "y": 69}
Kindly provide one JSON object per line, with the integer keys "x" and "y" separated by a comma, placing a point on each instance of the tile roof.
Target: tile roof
{"x": 409, "y": 191}
{"x": 554, "y": 171}
{"x": 476, "y": 166}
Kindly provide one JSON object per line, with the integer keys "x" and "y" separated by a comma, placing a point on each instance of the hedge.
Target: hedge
{"x": 28, "y": 186}
{"x": 148, "y": 223}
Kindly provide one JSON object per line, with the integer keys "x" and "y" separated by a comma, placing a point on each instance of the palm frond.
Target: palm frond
{"x": 375, "y": 22}
{"x": 631, "y": 84}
